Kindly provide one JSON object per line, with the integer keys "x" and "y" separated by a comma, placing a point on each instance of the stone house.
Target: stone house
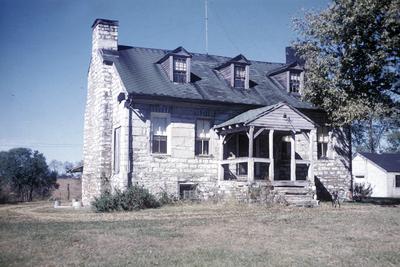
{"x": 185, "y": 123}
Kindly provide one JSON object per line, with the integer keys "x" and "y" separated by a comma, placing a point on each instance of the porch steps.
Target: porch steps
{"x": 296, "y": 196}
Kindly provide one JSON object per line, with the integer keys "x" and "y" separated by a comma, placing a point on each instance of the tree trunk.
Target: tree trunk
{"x": 371, "y": 137}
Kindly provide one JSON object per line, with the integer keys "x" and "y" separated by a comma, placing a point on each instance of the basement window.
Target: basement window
{"x": 187, "y": 191}
{"x": 202, "y": 137}
{"x": 180, "y": 69}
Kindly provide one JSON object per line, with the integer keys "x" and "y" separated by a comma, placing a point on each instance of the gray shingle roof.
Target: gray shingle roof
{"x": 247, "y": 116}
{"x": 388, "y": 161}
{"x": 141, "y": 75}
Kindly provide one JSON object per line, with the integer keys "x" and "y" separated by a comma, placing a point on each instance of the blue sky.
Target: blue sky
{"x": 45, "y": 47}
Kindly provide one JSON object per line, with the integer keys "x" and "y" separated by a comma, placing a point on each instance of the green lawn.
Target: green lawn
{"x": 201, "y": 234}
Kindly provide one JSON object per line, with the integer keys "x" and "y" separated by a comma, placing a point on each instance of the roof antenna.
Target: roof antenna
{"x": 206, "y": 20}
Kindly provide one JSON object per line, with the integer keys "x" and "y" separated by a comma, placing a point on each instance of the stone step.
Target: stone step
{"x": 292, "y": 190}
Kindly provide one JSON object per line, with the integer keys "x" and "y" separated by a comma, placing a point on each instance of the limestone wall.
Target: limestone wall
{"x": 333, "y": 173}
{"x": 180, "y": 165}
{"x": 98, "y": 115}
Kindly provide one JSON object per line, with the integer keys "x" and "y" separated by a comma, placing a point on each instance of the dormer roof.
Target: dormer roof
{"x": 180, "y": 52}
{"x": 286, "y": 67}
{"x": 239, "y": 59}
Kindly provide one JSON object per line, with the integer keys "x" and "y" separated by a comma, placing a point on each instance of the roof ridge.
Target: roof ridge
{"x": 200, "y": 54}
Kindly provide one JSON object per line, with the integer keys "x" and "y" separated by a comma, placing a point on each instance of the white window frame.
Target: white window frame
{"x": 395, "y": 177}
{"x": 297, "y": 74}
{"x": 244, "y": 78}
{"x": 324, "y": 140}
{"x": 166, "y": 116}
{"x": 205, "y": 138}
{"x": 180, "y": 68}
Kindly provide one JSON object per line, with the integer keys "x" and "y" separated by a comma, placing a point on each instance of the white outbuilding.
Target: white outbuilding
{"x": 381, "y": 171}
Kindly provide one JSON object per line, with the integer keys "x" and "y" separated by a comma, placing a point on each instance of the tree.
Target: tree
{"x": 26, "y": 172}
{"x": 370, "y": 135}
{"x": 56, "y": 166}
{"x": 393, "y": 140}
{"x": 352, "y": 65}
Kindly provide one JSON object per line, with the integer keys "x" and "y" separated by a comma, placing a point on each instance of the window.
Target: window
{"x": 239, "y": 76}
{"x": 117, "y": 135}
{"x": 397, "y": 181}
{"x": 360, "y": 177}
{"x": 294, "y": 83}
{"x": 202, "y": 137}
{"x": 323, "y": 140}
{"x": 187, "y": 191}
{"x": 180, "y": 69}
{"x": 159, "y": 135}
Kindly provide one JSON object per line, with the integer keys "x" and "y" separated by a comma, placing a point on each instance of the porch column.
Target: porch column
{"x": 250, "y": 161}
{"x": 293, "y": 157}
{"x": 221, "y": 157}
{"x": 311, "y": 156}
{"x": 271, "y": 155}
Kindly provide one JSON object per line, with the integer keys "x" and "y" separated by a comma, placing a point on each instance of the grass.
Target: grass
{"x": 201, "y": 235}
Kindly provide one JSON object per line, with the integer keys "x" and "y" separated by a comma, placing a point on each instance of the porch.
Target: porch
{"x": 274, "y": 143}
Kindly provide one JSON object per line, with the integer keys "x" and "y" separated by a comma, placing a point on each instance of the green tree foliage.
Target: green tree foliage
{"x": 393, "y": 140}
{"x": 352, "y": 58}
{"x": 26, "y": 172}
{"x": 370, "y": 135}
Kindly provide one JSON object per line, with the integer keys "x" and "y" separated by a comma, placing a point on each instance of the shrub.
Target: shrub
{"x": 361, "y": 191}
{"x": 166, "y": 199}
{"x": 134, "y": 198}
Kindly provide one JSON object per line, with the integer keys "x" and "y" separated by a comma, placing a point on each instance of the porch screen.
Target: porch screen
{"x": 159, "y": 137}
{"x": 202, "y": 137}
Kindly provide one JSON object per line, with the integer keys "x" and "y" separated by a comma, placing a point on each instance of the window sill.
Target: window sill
{"x": 204, "y": 156}
{"x": 160, "y": 156}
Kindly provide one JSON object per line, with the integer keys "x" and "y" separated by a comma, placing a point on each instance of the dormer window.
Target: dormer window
{"x": 180, "y": 69}
{"x": 239, "y": 76}
{"x": 176, "y": 64}
{"x": 236, "y": 72}
{"x": 294, "y": 82}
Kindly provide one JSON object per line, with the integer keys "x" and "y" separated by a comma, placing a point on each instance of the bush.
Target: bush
{"x": 166, "y": 199}
{"x": 134, "y": 198}
{"x": 361, "y": 191}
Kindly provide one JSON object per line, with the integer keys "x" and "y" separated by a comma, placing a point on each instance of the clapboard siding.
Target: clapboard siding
{"x": 166, "y": 66}
{"x": 227, "y": 74}
{"x": 275, "y": 120}
{"x": 282, "y": 79}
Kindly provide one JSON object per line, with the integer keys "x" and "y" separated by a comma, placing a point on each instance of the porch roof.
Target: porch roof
{"x": 251, "y": 117}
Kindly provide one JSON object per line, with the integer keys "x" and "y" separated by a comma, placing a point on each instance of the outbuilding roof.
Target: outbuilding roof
{"x": 142, "y": 75}
{"x": 388, "y": 161}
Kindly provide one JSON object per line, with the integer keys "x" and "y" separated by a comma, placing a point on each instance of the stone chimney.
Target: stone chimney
{"x": 104, "y": 34}
{"x": 292, "y": 56}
